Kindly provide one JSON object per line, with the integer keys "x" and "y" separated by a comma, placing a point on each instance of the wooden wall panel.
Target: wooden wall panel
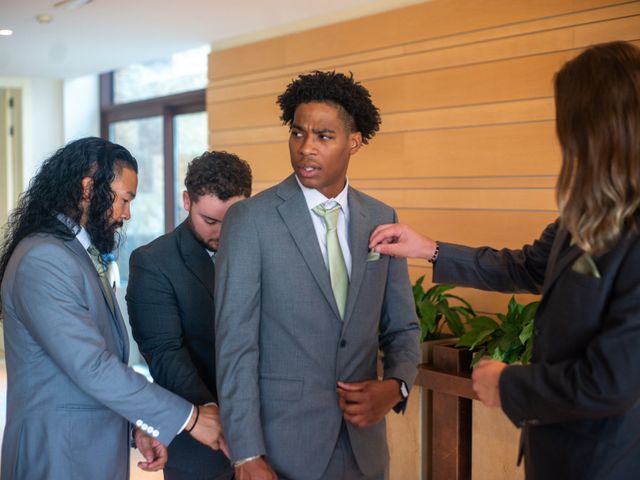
{"x": 467, "y": 149}
{"x": 435, "y": 19}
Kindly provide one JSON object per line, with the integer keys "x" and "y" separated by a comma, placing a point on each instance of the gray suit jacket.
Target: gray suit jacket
{"x": 71, "y": 395}
{"x": 280, "y": 343}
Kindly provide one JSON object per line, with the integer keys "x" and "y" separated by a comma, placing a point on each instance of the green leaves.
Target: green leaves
{"x": 508, "y": 340}
{"x": 433, "y": 307}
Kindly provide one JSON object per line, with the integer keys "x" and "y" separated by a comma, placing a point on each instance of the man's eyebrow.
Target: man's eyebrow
{"x": 323, "y": 130}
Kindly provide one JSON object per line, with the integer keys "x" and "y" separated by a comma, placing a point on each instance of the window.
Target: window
{"x": 182, "y": 72}
{"x": 163, "y": 133}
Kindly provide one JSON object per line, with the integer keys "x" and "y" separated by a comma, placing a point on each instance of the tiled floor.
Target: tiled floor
{"x": 136, "y": 473}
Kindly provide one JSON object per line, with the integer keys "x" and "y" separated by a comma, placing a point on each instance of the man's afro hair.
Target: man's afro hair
{"x": 336, "y": 88}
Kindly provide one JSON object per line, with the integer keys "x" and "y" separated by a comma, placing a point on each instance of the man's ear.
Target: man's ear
{"x": 87, "y": 188}
{"x": 355, "y": 142}
{"x": 186, "y": 200}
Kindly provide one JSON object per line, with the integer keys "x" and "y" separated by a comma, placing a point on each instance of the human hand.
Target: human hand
{"x": 207, "y": 429}
{"x": 257, "y": 469}
{"x": 400, "y": 240}
{"x": 486, "y": 382}
{"x": 365, "y": 403}
{"x": 154, "y": 452}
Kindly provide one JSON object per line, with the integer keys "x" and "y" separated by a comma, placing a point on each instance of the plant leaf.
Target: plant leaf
{"x": 461, "y": 300}
{"x": 473, "y": 338}
{"x": 483, "y": 323}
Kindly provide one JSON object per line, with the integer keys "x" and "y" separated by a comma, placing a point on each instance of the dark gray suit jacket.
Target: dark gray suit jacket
{"x": 171, "y": 311}
{"x": 70, "y": 393}
{"x": 280, "y": 343}
{"x": 579, "y": 400}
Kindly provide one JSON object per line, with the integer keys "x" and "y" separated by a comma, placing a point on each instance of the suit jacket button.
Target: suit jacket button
{"x": 343, "y": 343}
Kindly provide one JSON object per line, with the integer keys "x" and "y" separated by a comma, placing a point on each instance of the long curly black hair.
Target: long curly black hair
{"x": 57, "y": 188}
{"x": 335, "y": 88}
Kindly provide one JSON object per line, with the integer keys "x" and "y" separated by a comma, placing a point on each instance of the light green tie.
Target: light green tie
{"x": 100, "y": 266}
{"x": 337, "y": 267}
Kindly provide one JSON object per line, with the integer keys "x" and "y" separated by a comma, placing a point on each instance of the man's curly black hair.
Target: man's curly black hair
{"x": 334, "y": 88}
{"x": 218, "y": 173}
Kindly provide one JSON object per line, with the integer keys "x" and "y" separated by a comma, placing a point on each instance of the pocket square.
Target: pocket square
{"x": 586, "y": 266}
{"x": 373, "y": 256}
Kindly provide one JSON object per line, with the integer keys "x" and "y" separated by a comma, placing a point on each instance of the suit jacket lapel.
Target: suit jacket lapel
{"x": 358, "y": 245}
{"x": 296, "y": 216}
{"x": 562, "y": 255}
{"x": 121, "y": 331}
{"x": 196, "y": 258}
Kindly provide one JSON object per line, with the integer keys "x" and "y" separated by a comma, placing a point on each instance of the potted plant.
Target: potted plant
{"x": 507, "y": 340}
{"x": 433, "y": 307}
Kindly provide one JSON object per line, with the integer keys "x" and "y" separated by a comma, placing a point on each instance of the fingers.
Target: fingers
{"x": 352, "y": 387}
{"x": 224, "y": 446}
{"x": 156, "y": 458}
{"x": 384, "y": 234}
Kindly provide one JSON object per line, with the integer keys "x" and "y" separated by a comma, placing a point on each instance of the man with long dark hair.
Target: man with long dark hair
{"x": 170, "y": 302}
{"x": 71, "y": 398}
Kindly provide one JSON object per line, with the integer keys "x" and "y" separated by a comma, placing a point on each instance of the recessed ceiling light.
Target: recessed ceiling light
{"x": 6, "y": 32}
{"x": 71, "y": 4}
{"x": 44, "y": 18}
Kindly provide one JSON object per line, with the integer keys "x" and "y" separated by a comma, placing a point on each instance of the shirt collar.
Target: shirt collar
{"x": 314, "y": 198}
{"x": 80, "y": 232}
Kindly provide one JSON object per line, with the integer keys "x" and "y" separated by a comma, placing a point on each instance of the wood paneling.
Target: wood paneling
{"x": 467, "y": 149}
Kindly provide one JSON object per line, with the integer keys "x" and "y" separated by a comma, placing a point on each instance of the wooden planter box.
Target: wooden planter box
{"x": 469, "y": 441}
{"x": 409, "y": 435}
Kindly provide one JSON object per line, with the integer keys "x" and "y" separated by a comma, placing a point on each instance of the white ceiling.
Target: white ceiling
{"x": 108, "y": 34}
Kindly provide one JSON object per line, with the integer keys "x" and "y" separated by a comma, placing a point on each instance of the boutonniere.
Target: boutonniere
{"x": 586, "y": 266}
{"x": 373, "y": 256}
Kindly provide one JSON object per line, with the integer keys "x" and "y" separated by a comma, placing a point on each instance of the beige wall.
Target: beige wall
{"x": 467, "y": 151}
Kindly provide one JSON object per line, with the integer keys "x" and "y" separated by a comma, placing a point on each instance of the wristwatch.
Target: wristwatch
{"x": 404, "y": 390}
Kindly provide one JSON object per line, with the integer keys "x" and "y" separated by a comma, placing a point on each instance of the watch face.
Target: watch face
{"x": 404, "y": 391}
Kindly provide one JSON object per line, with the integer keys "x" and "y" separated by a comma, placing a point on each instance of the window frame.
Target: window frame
{"x": 168, "y": 107}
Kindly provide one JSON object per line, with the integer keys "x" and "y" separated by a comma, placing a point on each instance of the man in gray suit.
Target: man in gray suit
{"x": 170, "y": 302}
{"x": 302, "y": 306}
{"x": 71, "y": 398}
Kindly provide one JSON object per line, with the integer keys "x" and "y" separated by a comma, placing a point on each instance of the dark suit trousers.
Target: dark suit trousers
{"x": 175, "y": 474}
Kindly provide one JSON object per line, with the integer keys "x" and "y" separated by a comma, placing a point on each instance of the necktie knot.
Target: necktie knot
{"x": 330, "y": 215}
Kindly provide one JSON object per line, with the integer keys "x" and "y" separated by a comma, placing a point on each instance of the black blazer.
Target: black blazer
{"x": 579, "y": 400}
{"x": 171, "y": 311}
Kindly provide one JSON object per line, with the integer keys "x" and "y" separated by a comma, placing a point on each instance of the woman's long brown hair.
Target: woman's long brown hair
{"x": 598, "y": 125}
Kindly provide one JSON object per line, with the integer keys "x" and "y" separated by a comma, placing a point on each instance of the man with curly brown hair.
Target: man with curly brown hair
{"x": 302, "y": 306}
{"x": 170, "y": 302}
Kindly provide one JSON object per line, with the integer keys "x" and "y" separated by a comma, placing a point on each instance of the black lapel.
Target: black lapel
{"x": 562, "y": 256}
{"x": 195, "y": 257}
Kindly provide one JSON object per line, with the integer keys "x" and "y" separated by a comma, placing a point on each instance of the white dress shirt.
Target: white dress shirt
{"x": 314, "y": 198}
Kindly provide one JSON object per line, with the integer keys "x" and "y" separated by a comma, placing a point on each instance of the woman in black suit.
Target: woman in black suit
{"x": 579, "y": 400}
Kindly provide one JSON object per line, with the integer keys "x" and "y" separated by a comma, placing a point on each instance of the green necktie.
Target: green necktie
{"x": 102, "y": 272}
{"x": 337, "y": 267}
